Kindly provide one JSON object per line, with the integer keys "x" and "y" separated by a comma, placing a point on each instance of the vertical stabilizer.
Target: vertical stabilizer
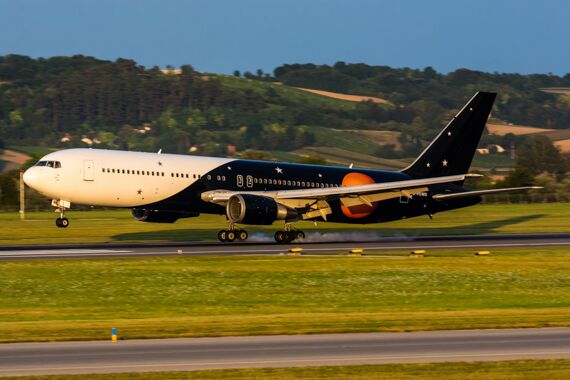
{"x": 452, "y": 151}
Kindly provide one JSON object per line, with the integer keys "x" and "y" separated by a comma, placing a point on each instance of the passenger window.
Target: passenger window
{"x": 113, "y": 170}
{"x": 123, "y": 171}
{"x": 177, "y": 175}
{"x": 103, "y": 170}
{"x": 209, "y": 177}
{"x": 194, "y": 175}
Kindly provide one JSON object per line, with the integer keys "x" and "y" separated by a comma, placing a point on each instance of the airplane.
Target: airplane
{"x": 163, "y": 188}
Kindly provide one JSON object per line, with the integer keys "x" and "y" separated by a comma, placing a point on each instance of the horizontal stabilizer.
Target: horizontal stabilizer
{"x": 482, "y": 192}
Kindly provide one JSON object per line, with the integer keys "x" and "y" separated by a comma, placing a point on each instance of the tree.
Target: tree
{"x": 539, "y": 155}
{"x": 237, "y": 73}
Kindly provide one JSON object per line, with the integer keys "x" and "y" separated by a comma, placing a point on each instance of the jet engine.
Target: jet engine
{"x": 157, "y": 216}
{"x": 255, "y": 209}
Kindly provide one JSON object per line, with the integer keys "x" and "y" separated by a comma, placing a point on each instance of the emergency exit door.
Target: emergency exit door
{"x": 88, "y": 170}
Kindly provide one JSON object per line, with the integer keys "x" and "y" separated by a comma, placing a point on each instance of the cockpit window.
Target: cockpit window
{"x": 51, "y": 164}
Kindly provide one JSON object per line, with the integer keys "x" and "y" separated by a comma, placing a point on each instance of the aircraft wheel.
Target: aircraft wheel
{"x": 230, "y": 236}
{"x": 290, "y": 236}
{"x": 242, "y": 235}
{"x": 58, "y": 222}
{"x": 279, "y": 237}
{"x": 222, "y": 236}
{"x": 299, "y": 234}
{"x": 64, "y": 222}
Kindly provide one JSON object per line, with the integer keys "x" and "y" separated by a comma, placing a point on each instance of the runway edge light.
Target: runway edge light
{"x": 482, "y": 253}
{"x": 418, "y": 253}
{"x": 114, "y": 334}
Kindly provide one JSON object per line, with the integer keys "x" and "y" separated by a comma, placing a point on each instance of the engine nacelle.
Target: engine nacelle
{"x": 255, "y": 209}
{"x": 157, "y": 216}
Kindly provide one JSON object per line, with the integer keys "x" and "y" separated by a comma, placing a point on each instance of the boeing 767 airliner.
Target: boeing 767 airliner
{"x": 163, "y": 188}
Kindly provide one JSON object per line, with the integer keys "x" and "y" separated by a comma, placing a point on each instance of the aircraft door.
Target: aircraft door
{"x": 88, "y": 170}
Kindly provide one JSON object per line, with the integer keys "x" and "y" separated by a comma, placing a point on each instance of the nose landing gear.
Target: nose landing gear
{"x": 60, "y": 206}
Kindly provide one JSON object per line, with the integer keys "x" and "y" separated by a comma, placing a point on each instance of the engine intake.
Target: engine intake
{"x": 255, "y": 209}
{"x": 158, "y": 216}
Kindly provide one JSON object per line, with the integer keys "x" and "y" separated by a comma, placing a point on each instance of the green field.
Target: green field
{"x": 119, "y": 226}
{"x": 503, "y": 370}
{"x": 181, "y": 296}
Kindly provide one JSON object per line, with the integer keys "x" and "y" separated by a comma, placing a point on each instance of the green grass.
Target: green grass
{"x": 119, "y": 226}
{"x": 502, "y": 370}
{"x": 179, "y": 296}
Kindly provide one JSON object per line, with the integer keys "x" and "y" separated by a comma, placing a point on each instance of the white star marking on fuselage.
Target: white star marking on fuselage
{"x": 279, "y": 170}
{"x": 444, "y": 162}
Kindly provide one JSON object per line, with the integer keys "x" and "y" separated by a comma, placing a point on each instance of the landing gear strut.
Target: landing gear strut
{"x": 232, "y": 234}
{"x": 288, "y": 235}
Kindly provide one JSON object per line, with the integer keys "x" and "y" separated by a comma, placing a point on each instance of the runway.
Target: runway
{"x": 459, "y": 242}
{"x": 282, "y": 351}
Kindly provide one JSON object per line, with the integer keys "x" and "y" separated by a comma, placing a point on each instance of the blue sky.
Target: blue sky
{"x": 221, "y": 36}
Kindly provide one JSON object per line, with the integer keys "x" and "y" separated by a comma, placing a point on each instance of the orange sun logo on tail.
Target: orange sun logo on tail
{"x": 360, "y": 211}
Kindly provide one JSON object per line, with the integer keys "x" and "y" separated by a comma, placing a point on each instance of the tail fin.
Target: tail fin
{"x": 452, "y": 151}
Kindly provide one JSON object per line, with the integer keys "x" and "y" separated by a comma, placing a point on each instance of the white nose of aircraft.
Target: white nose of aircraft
{"x": 31, "y": 177}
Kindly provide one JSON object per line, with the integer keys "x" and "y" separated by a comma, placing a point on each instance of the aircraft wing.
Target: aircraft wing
{"x": 222, "y": 196}
{"x": 482, "y": 192}
{"x": 314, "y": 201}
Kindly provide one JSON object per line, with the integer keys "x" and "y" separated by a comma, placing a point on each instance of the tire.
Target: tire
{"x": 64, "y": 222}
{"x": 242, "y": 235}
{"x": 289, "y": 236}
{"x": 279, "y": 237}
{"x": 299, "y": 234}
{"x": 222, "y": 236}
{"x": 231, "y": 236}
{"x": 58, "y": 222}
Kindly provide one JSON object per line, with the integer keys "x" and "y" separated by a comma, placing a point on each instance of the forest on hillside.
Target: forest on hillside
{"x": 56, "y": 102}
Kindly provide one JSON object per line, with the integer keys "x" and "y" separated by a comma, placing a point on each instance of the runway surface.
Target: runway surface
{"x": 282, "y": 351}
{"x": 466, "y": 242}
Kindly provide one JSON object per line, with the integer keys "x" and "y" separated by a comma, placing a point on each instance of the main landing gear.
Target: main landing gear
{"x": 288, "y": 235}
{"x": 232, "y": 234}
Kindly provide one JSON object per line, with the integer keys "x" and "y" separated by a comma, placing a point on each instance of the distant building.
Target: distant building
{"x": 491, "y": 148}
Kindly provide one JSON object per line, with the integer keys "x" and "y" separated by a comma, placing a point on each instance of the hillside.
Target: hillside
{"x": 377, "y": 111}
